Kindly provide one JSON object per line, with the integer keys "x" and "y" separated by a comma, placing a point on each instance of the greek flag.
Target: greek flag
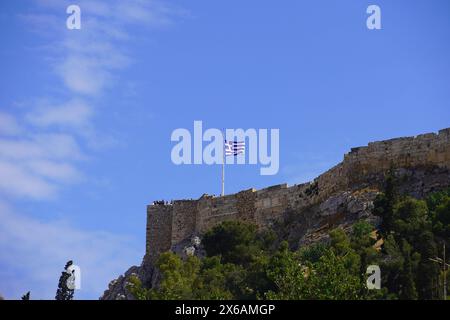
{"x": 233, "y": 148}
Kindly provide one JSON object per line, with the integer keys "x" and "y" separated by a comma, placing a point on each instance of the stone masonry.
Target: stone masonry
{"x": 168, "y": 224}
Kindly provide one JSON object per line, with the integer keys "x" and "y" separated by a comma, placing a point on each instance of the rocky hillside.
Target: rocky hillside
{"x": 302, "y": 227}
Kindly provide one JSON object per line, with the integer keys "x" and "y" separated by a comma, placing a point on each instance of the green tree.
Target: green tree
{"x": 391, "y": 265}
{"x": 244, "y": 263}
{"x": 384, "y": 203}
{"x": 410, "y": 218}
{"x": 427, "y": 271}
{"x": 413, "y": 224}
{"x": 443, "y": 218}
{"x": 331, "y": 279}
{"x": 219, "y": 281}
{"x": 313, "y": 252}
{"x": 327, "y": 278}
{"x": 242, "y": 245}
{"x": 136, "y": 288}
{"x": 407, "y": 285}
{"x": 177, "y": 277}
{"x": 235, "y": 241}
{"x": 288, "y": 275}
{"x": 341, "y": 247}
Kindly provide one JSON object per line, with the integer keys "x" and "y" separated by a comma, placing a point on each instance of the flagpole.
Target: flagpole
{"x": 223, "y": 168}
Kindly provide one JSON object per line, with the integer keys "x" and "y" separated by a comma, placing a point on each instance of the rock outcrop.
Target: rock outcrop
{"x": 301, "y": 214}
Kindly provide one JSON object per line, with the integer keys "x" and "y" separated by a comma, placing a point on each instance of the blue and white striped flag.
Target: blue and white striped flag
{"x": 233, "y": 148}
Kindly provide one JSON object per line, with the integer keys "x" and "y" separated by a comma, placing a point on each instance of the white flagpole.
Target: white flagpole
{"x": 223, "y": 169}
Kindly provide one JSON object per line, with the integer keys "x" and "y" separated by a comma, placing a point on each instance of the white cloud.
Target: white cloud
{"x": 42, "y": 145}
{"x": 36, "y": 252}
{"x": 74, "y": 113}
{"x": 154, "y": 13}
{"x": 82, "y": 75}
{"x": 42, "y": 24}
{"x": 43, "y": 153}
{"x": 8, "y": 125}
{"x": 62, "y": 172}
{"x": 144, "y": 12}
{"x": 17, "y": 181}
{"x": 34, "y": 165}
{"x": 40, "y": 153}
{"x": 91, "y": 54}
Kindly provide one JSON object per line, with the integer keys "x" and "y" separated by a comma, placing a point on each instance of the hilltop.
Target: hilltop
{"x": 301, "y": 214}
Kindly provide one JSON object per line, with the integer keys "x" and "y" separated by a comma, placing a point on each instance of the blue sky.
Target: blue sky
{"x": 86, "y": 115}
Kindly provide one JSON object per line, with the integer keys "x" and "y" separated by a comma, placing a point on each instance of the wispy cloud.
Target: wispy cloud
{"x": 74, "y": 114}
{"x": 49, "y": 137}
{"x": 37, "y": 251}
{"x": 17, "y": 181}
{"x": 8, "y": 125}
{"x": 41, "y": 149}
{"x": 86, "y": 59}
{"x": 42, "y": 145}
{"x": 34, "y": 166}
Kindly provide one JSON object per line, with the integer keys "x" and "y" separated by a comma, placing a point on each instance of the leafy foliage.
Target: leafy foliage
{"x": 244, "y": 263}
{"x": 415, "y": 230}
{"x": 136, "y": 288}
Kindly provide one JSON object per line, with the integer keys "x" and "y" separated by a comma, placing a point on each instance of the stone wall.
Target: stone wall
{"x": 184, "y": 216}
{"x": 159, "y": 230}
{"x": 170, "y": 224}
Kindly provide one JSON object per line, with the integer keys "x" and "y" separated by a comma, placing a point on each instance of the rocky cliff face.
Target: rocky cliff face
{"x": 301, "y": 214}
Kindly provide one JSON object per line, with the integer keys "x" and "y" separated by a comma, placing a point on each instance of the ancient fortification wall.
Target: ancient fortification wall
{"x": 170, "y": 223}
